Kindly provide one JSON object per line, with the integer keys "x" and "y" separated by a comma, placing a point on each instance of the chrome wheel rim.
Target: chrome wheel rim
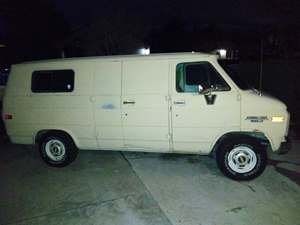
{"x": 55, "y": 150}
{"x": 242, "y": 159}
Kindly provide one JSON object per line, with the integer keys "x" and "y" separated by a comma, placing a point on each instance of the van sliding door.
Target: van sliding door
{"x": 145, "y": 105}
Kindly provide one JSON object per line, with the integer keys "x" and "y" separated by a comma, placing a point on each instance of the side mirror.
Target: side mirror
{"x": 204, "y": 91}
{"x": 200, "y": 88}
{"x": 209, "y": 97}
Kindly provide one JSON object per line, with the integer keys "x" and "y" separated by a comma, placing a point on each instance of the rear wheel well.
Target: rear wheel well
{"x": 44, "y": 133}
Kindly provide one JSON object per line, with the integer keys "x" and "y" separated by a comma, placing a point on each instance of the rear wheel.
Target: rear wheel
{"x": 241, "y": 158}
{"x": 57, "y": 149}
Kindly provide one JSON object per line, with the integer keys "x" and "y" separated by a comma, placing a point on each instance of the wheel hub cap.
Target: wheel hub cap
{"x": 55, "y": 150}
{"x": 242, "y": 159}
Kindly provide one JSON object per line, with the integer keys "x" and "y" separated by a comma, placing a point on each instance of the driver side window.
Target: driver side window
{"x": 190, "y": 75}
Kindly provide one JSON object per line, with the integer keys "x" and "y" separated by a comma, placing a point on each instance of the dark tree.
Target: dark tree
{"x": 106, "y": 35}
{"x": 171, "y": 37}
{"x": 282, "y": 36}
{"x": 33, "y": 29}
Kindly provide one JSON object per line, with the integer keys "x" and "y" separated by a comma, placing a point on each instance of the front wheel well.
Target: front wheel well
{"x": 258, "y": 136}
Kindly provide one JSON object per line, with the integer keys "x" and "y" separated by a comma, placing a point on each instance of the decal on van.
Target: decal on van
{"x": 256, "y": 119}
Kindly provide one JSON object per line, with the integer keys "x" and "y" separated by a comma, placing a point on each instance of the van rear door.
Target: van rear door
{"x": 106, "y": 103}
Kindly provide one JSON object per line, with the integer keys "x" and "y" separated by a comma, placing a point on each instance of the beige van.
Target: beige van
{"x": 172, "y": 103}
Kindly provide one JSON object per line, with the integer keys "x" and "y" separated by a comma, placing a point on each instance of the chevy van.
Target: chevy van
{"x": 171, "y": 103}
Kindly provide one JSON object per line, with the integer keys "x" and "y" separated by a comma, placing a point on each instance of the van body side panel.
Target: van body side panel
{"x": 131, "y": 103}
{"x": 32, "y": 112}
{"x": 197, "y": 125}
{"x": 145, "y": 105}
{"x": 106, "y": 103}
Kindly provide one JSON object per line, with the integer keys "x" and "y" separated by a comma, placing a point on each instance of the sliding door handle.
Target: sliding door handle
{"x": 128, "y": 102}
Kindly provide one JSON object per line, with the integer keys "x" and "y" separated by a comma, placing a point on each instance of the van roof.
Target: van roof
{"x": 122, "y": 57}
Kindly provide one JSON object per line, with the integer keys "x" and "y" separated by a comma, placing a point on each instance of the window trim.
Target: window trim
{"x": 199, "y": 62}
{"x": 52, "y": 91}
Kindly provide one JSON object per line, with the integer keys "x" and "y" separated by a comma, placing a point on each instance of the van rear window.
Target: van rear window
{"x": 52, "y": 81}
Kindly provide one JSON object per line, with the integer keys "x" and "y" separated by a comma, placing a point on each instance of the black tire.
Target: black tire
{"x": 227, "y": 163}
{"x": 63, "y": 141}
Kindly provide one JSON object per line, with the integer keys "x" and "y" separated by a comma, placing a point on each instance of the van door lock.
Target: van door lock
{"x": 182, "y": 102}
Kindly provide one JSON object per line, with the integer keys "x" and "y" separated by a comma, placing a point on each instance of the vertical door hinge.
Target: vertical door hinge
{"x": 168, "y": 98}
{"x": 169, "y": 136}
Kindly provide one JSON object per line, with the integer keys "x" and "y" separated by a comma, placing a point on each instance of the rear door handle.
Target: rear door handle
{"x": 128, "y": 102}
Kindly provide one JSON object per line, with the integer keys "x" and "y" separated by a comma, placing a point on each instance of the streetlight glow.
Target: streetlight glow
{"x": 222, "y": 53}
{"x": 144, "y": 51}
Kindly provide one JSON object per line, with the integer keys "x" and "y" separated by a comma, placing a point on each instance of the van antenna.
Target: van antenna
{"x": 261, "y": 66}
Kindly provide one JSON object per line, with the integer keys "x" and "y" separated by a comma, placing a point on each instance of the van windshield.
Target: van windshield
{"x": 233, "y": 72}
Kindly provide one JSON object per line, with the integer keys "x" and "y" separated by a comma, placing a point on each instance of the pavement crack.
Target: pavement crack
{"x": 248, "y": 186}
{"x": 251, "y": 188}
{"x": 146, "y": 188}
{"x": 91, "y": 204}
{"x": 236, "y": 209}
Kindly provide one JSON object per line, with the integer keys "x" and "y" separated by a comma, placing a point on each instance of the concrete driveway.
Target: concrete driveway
{"x": 139, "y": 188}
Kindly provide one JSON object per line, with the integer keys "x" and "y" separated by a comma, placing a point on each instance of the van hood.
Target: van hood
{"x": 261, "y": 93}
{"x": 262, "y": 100}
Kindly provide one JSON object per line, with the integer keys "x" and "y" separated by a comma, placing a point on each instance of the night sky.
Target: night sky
{"x": 157, "y": 12}
{"x": 39, "y": 29}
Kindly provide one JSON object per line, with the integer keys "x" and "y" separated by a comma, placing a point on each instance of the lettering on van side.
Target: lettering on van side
{"x": 256, "y": 119}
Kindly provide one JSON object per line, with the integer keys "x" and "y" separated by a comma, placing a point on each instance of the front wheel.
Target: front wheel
{"x": 241, "y": 158}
